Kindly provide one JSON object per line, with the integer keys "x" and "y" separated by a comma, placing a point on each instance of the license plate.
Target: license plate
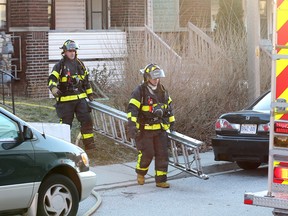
{"x": 248, "y": 129}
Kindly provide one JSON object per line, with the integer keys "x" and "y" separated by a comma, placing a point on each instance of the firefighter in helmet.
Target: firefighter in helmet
{"x": 69, "y": 84}
{"x": 149, "y": 117}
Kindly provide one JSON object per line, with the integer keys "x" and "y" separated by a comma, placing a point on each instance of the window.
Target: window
{"x": 51, "y": 14}
{"x": 3, "y": 19}
{"x": 214, "y": 12}
{"x": 263, "y": 19}
{"x": 8, "y": 129}
{"x": 263, "y": 8}
{"x": 97, "y": 14}
{"x": 264, "y": 103}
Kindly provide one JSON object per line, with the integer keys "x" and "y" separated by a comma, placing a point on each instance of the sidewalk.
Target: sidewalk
{"x": 123, "y": 175}
{"x": 120, "y": 175}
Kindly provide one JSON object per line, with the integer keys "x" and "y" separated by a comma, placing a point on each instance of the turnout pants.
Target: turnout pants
{"x": 153, "y": 144}
{"x": 66, "y": 111}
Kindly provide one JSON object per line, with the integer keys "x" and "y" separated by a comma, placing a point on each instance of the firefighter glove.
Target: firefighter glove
{"x": 171, "y": 126}
{"x": 132, "y": 132}
{"x": 90, "y": 97}
{"x": 56, "y": 92}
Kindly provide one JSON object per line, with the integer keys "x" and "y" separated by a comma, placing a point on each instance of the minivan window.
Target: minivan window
{"x": 9, "y": 129}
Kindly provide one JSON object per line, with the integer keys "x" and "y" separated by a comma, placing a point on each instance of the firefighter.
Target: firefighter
{"x": 69, "y": 84}
{"x": 149, "y": 117}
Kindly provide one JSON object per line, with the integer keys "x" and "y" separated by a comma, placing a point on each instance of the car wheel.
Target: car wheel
{"x": 248, "y": 165}
{"x": 58, "y": 196}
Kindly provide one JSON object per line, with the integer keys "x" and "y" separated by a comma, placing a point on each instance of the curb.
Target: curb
{"x": 172, "y": 175}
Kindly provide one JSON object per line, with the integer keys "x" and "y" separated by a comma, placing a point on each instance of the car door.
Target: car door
{"x": 16, "y": 166}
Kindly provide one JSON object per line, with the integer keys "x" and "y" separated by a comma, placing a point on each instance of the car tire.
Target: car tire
{"x": 53, "y": 191}
{"x": 248, "y": 165}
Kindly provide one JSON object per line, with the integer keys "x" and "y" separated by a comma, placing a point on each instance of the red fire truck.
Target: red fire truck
{"x": 276, "y": 196}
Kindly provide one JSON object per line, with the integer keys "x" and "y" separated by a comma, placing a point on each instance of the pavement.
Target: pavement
{"x": 123, "y": 175}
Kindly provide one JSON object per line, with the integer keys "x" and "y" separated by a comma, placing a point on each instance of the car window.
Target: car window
{"x": 9, "y": 129}
{"x": 264, "y": 103}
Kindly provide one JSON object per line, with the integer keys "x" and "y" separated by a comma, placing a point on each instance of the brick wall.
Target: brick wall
{"x": 25, "y": 13}
{"x": 29, "y": 20}
{"x": 37, "y": 64}
{"x": 127, "y": 13}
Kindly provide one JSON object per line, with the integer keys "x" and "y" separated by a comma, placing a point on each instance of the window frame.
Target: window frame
{"x": 103, "y": 13}
{"x": 51, "y": 4}
{"x": 7, "y": 4}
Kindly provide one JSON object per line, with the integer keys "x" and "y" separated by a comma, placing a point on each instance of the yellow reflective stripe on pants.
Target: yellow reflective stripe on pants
{"x": 138, "y": 162}
{"x": 87, "y": 136}
{"x": 160, "y": 173}
{"x": 72, "y": 97}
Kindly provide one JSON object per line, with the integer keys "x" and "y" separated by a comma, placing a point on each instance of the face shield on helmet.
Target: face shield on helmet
{"x": 156, "y": 74}
{"x": 152, "y": 71}
{"x": 69, "y": 45}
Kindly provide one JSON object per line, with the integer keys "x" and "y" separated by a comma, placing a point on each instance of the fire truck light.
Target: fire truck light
{"x": 281, "y": 127}
{"x": 281, "y": 141}
{"x": 280, "y": 174}
{"x": 248, "y": 201}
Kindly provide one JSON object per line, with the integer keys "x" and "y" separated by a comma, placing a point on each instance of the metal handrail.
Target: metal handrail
{"x": 112, "y": 123}
{"x": 4, "y": 82}
{"x": 157, "y": 50}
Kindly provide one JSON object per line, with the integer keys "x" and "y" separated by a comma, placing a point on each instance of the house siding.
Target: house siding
{"x": 29, "y": 21}
{"x": 195, "y": 11}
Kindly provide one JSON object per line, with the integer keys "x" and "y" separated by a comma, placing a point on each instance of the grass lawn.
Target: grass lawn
{"x": 107, "y": 150}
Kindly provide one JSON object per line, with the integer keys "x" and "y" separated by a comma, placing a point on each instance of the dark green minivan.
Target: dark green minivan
{"x": 40, "y": 174}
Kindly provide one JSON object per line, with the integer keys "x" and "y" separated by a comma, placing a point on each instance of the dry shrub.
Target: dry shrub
{"x": 206, "y": 83}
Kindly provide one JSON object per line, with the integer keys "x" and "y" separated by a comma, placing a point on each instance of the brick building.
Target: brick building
{"x": 39, "y": 27}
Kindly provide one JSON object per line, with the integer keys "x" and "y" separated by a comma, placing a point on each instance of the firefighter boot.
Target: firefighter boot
{"x": 162, "y": 184}
{"x": 140, "y": 179}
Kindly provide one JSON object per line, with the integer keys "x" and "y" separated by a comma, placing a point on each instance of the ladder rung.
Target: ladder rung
{"x": 278, "y": 57}
{"x": 281, "y": 47}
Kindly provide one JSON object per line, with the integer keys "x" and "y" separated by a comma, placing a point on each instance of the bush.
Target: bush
{"x": 205, "y": 84}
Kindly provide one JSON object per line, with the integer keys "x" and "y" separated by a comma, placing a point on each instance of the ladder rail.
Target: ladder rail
{"x": 112, "y": 123}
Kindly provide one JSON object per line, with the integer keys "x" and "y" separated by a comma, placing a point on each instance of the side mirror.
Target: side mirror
{"x": 27, "y": 133}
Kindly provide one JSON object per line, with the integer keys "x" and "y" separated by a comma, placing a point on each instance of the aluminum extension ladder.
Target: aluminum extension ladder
{"x": 112, "y": 123}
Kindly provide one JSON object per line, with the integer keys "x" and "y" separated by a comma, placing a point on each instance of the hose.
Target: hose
{"x": 96, "y": 205}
